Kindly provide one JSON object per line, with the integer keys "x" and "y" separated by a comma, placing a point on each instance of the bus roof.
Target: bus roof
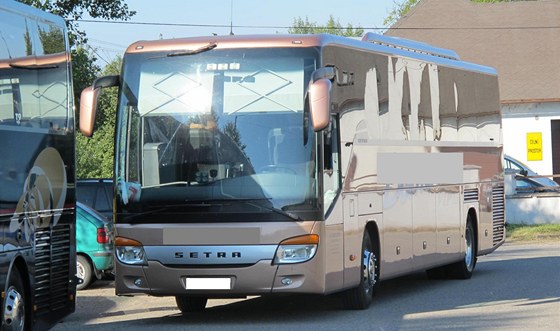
{"x": 371, "y": 42}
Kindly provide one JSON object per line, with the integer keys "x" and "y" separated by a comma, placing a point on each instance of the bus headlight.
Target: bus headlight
{"x": 129, "y": 251}
{"x": 297, "y": 249}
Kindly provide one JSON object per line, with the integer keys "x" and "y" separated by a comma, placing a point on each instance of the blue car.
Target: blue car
{"x": 94, "y": 245}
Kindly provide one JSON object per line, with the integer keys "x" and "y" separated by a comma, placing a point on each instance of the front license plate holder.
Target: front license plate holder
{"x": 212, "y": 283}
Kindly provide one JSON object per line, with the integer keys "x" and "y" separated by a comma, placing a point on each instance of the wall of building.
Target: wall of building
{"x": 520, "y": 119}
{"x": 536, "y": 208}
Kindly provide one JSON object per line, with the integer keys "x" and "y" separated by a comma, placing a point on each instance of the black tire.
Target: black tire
{"x": 462, "y": 269}
{"x": 15, "y": 310}
{"x": 361, "y": 296}
{"x": 437, "y": 273}
{"x": 84, "y": 270}
{"x": 465, "y": 268}
{"x": 188, "y": 304}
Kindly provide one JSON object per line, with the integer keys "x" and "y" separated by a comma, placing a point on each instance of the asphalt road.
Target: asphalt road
{"x": 515, "y": 288}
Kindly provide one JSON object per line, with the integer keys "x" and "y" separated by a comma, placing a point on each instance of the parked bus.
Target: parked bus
{"x": 257, "y": 165}
{"x": 37, "y": 199}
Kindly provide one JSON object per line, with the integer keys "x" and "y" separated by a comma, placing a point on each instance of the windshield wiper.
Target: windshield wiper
{"x": 202, "y": 49}
{"x": 275, "y": 210}
{"x": 33, "y": 66}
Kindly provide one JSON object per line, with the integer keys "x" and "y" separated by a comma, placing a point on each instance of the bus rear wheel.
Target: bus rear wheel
{"x": 360, "y": 297}
{"x": 465, "y": 268}
{"x": 14, "y": 313}
{"x": 188, "y": 304}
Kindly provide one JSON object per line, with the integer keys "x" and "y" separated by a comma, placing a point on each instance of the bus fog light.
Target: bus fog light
{"x": 286, "y": 281}
{"x": 138, "y": 282}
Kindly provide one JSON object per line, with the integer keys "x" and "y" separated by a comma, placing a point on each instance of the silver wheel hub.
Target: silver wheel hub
{"x": 14, "y": 310}
{"x": 80, "y": 270}
{"x": 369, "y": 271}
{"x": 469, "y": 249}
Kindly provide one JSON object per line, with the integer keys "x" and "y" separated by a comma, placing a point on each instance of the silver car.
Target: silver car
{"x": 522, "y": 169}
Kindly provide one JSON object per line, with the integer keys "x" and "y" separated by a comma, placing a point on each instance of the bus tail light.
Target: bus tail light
{"x": 130, "y": 251}
{"x": 297, "y": 249}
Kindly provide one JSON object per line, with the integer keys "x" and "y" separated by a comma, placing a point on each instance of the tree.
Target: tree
{"x": 399, "y": 10}
{"x": 84, "y": 70}
{"x": 301, "y": 26}
{"x": 402, "y": 8}
{"x": 94, "y": 156}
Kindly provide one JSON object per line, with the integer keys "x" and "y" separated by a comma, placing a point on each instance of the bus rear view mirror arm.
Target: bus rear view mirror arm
{"x": 88, "y": 102}
{"x": 320, "y": 103}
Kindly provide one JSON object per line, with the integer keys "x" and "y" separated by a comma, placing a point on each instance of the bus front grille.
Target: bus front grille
{"x": 52, "y": 265}
{"x": 498, "y": 214}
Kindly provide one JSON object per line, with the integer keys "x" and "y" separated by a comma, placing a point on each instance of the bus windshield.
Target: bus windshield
{"x": 222, "y": 130}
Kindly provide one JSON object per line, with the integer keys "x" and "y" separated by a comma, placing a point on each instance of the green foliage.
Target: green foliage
{"x": 73, "y": 10}
{"x": 84, "y": 70}
{"x": 94, "y": 156}
{"x": 402, "y": 8}
{"x": 399, "y": 10}
{"x": 301, "y": 26}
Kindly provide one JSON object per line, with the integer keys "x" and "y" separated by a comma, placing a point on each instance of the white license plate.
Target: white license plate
{"x": 208, "y": 283}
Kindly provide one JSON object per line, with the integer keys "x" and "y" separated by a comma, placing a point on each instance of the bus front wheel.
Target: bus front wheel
{"x": 360, "y": 297}
{"x": 188, "y": 304}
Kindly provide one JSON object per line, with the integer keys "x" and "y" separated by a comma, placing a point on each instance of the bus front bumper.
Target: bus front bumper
{"x": 214, "y": 282}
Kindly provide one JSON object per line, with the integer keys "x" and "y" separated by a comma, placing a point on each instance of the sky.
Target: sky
{"x": 256, "y": 17}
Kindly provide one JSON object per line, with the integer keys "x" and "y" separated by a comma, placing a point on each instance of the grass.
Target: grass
{"x": 537, "y": 232}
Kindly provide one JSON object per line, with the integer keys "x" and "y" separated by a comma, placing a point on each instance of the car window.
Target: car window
{"x": 102, "y": 200}
{"x": 512, "y": 165}
{"x": 527, "y": 186}
{"x": 86, "y": 195}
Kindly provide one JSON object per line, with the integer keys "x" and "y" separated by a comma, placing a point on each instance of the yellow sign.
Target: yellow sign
{"x": 534, "y": 146}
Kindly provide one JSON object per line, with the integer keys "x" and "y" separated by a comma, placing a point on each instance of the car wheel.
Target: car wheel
{"x": 84, "y": 271}
{"x": 188, "y": 304}
{"x": 14, "y": 313}
{"x": 361, "y": 296}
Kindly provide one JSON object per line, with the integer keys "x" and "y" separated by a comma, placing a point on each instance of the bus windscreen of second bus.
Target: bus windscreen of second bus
{"x": 218, "y": 126}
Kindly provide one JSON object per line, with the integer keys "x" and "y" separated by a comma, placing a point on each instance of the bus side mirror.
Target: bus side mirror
{"x": 320, "y": 103}
{"x": 88, "y": 102}
{"x": 88, "y": 108}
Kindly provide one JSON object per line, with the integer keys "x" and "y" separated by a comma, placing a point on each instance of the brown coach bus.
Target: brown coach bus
{"x": 262, "y": 165}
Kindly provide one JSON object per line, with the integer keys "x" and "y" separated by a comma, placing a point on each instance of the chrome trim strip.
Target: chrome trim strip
{"x": 209, "y": 255}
